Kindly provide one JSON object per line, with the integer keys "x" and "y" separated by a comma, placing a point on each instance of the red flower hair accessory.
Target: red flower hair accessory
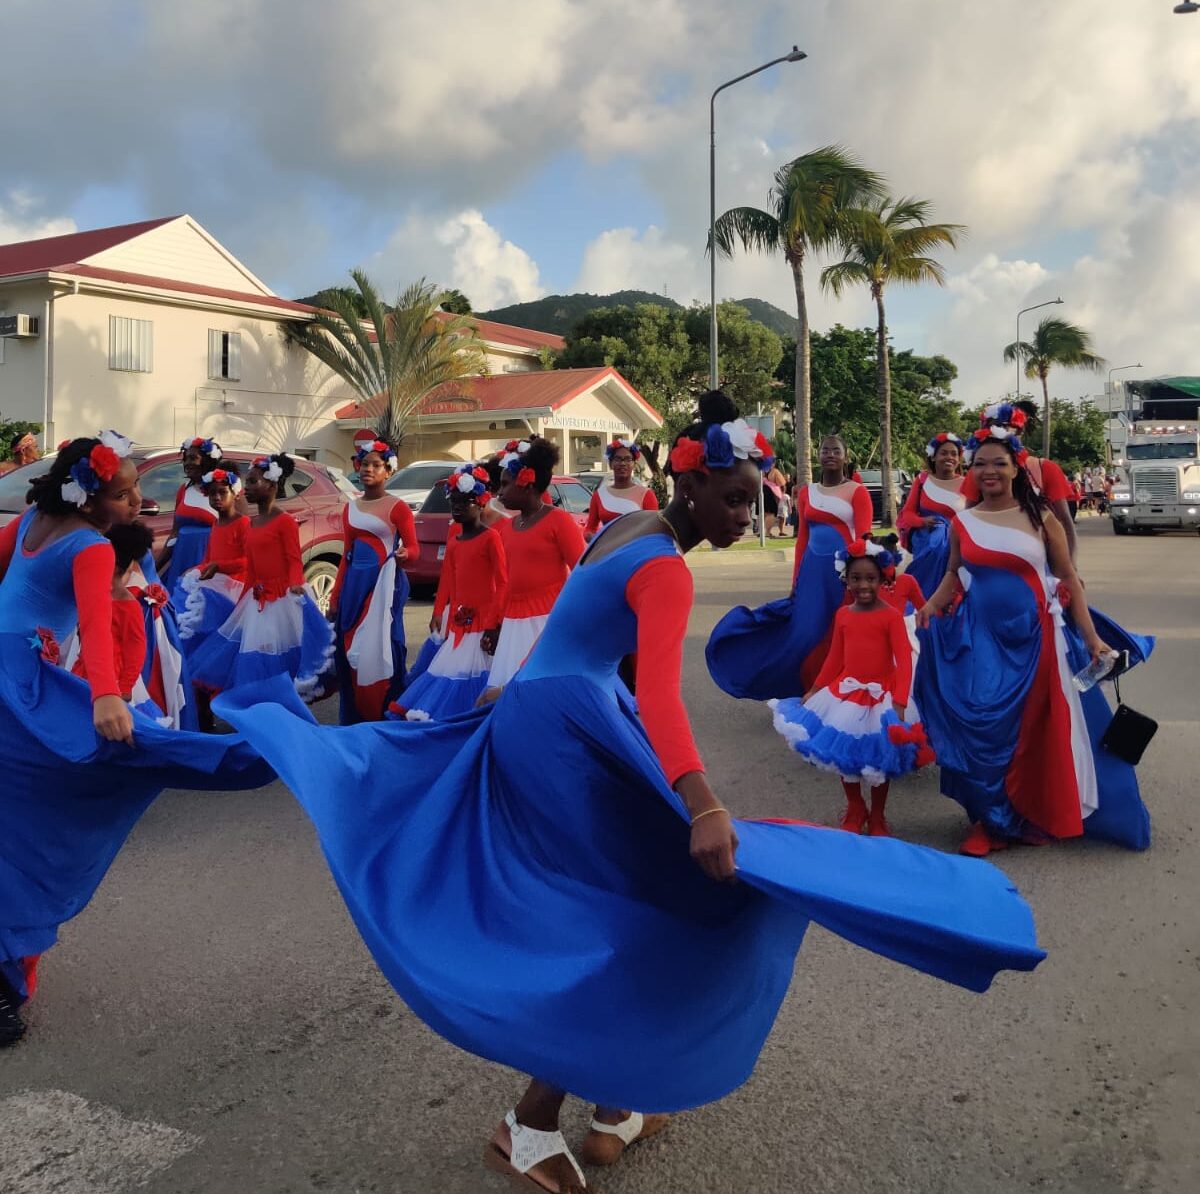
{"x": 687, "y": 456}
{"x": 526, "y": 476}
{"x": 104, "y": 462}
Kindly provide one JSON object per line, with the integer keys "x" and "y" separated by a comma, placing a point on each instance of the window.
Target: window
{"x": 3, "y": 311}
{"x": 224, "y": 354}
{"x": 572, "y": 497}
{"x": 130, "y": 344}
{"x": 160, "y": 484}
{"x": 297, "y": 483}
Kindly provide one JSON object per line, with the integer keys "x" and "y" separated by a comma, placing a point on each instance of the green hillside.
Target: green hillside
{"x": 560, "y": 312}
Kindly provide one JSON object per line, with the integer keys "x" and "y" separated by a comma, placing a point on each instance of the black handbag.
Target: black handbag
{"x": 1129, "y": 732}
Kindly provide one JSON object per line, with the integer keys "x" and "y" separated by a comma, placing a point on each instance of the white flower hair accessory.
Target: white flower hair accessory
{"x": 119, "y": 443}
{"x": 269, "y": 468}
{"x": 73, "y": 492}
{"x": 859, "y": 549}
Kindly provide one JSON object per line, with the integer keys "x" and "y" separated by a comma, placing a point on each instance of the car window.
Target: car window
{"x": 161, "y": 483}
{"x": 420, "y": 476}
{"x": 297, "y": 483}
{"x": 15, "y": 484}
{"x": 339, "y": 478}
{"x": 437, "y": 502}
{"x": 572, "y": 497}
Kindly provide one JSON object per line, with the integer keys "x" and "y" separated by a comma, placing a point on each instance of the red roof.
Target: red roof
{"x": 541, "y": 390}
{"x": 54, "y": 252}
{"x": 506, "y": 333}
{"x": 241, "y": 296}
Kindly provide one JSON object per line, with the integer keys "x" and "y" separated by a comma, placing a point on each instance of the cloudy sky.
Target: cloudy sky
{"x": 516, "y": 148}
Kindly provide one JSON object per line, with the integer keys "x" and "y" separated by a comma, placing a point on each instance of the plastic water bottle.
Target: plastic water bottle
{"x": 1095, "y": 671}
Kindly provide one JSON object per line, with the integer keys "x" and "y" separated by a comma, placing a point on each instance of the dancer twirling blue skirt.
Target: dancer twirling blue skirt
{"x": 1019, "y": 747}
{"x": 527, "y": 878}
{"x": 778, "y": 649}
{"x": 79, "y": 765}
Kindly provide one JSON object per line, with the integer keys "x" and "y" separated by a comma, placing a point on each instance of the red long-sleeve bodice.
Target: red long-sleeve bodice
{"x": 273, "y": 557}
{"x": 539, "y": 561}
{"x": 871, "y": 648}
{"x": 227, "y": 548}
{"x": 474, "y": 576}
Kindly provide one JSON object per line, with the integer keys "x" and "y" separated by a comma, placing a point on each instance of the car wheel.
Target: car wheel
{"x": 321, "y": 575}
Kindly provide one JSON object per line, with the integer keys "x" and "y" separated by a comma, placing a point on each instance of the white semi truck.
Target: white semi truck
{"x": 1158, "y": 483}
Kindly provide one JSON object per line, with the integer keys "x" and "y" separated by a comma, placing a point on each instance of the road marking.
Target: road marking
{"x": 55, "y": 1141}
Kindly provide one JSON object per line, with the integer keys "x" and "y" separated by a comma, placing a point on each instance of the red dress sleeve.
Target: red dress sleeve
{"x": 910, "y": 518}
{"x": 8, "y": 544}
{"x": 498, "y": 562}
{"x": 129, "y": 635}
{"x": 902, "y": 657}
{"x": 835, "y": 661}
{"x": 593, "y": 522}
{"x": 91, "y": 577}
{"x": 969, "y": 491}
{"x": 801, "y": 503}
{"x": 660, "y": 595}
{"x": 289, "y": 542}
{"x": 864, "y": 513}
{"x": 1055, "y": 486}
{"x": 402, "y": 519}
{"x": 569, "y": 539}
{"x": 347, "y": 536}
{"x": 649, "y": 502}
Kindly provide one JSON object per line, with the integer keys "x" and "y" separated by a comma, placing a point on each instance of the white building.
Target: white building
{"x": 156, "y": 329}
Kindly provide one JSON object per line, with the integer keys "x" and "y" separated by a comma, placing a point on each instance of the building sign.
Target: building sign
{"x": 582, "y": 423}
{"x": 451, "y": 406}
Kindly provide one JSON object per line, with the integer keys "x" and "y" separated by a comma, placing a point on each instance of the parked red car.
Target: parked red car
{"x": 433, "y": 524}
{"x": 314, "y": 496}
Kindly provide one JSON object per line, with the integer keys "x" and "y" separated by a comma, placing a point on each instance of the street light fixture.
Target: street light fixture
{"x": 1048, "y": 303}
{"x": 1186, "y": 6}
{"x": 1118, "y": 369}
{"x": 795, "y": 56}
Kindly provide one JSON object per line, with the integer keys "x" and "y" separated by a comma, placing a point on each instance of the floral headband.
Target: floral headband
{"x": 26, "y": 441}
{"x": 630, "y": 445}
{"x": 97, "y": 468}
{"x": 946, "y": 437}
{"x": 723, "y": 446}
{"x": 999, "y": 433}
{"x": 863, "y": 549}
{"x": 223, "y": 476}
{"x": 384, "y": 451}
{"x": 1004, "y": 413}
{"x": 472, "y": 481}
{"x": 269, "y": 467}
{"x": 511, "y": 461}
{"x": 206, "y": 447}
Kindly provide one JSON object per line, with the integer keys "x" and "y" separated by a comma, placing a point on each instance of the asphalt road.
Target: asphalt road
{"x": 212, "y": 1022}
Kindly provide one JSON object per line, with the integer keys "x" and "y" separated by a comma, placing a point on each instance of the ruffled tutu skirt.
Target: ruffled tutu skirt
{"x": 288, "y": 636}
{"x": 854, "y": 732}
{"x": 517, "y": 638}
{"x": 425, "y": 656}
{"x": 204, "y": 606}
{"x": 452, "y": 683}
{"x": 69, "y": 798}
{"x": 523, "y": 880}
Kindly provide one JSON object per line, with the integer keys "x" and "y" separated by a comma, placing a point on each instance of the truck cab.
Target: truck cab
{"x": 1158, "y": 487}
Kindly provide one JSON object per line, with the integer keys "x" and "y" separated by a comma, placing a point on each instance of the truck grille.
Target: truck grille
{"x": 1156, "y": 485}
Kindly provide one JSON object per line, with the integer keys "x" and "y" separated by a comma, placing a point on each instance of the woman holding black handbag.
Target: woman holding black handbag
{"x": 1020, "y": 746}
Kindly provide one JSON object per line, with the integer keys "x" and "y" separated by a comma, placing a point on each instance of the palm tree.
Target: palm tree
{"x": 888, "y": 240}
{"x": 1055, "y": 342}
{"x": 807, "y": 199}
{"x": 403, "y": 352}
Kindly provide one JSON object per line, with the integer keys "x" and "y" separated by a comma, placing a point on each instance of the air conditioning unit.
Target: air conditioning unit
{"x": 18, "y": 327}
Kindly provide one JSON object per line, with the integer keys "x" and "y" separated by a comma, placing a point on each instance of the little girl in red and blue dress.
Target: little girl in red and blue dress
{"x": 276, "y": 627}
{"x": 858, "y": 719}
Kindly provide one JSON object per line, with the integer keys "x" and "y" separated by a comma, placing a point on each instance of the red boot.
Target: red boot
{"x": 877, "y": 825}
{"x": 855, "y": 817}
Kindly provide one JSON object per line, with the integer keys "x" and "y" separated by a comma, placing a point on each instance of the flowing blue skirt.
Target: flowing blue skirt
{"x": 191, "y": 542}
{"x": 930, "y": 556}
{"x": 358, "y": 586}
{"x": 70, "y": 798}
{"x": 429, "y": 648}
{"x": 521, "y": 875}
{"x": 760, "y": 653}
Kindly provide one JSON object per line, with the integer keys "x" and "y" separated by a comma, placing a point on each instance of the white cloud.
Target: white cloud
{"x": 21, "y": 219}
{"x": 464, "y": 251}
{"x": 624, "y": 259}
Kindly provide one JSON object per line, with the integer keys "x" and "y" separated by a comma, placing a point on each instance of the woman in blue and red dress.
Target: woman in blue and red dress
{"x": 778, "y": 649}
{"x": 624, "y": 494}
{"x": 371, "y": 590}
{"x": 194, "y": 517}
{"x": 1018, "y": 745}
{"x": 935, "y": 498}
{"x": 575, "y": 854}
{"x": 79, "y": 765}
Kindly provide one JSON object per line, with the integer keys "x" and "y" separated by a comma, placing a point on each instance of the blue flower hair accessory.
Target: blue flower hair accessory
{"x": 383, "y": 450}
{"x": 946, "y": 437}
{"x": 862, "y": 549}
{"x": 630, "y": 445}
{"x": 723, "y": 445}
{"x": 206, "y": 447}
{"x": 999, "y": 433}
{"x": 470, "y": 480}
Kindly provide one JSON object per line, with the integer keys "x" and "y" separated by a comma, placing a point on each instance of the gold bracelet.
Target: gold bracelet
{"x": 708, "y": 812}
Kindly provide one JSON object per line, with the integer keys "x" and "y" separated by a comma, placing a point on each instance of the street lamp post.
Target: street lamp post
{"x": 795, "y": 56}
{"x": 1046, "y": 429}
{"x": 1118, "y": 369}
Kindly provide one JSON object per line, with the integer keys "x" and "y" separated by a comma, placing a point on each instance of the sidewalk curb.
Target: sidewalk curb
{"x": 703, "y": 557}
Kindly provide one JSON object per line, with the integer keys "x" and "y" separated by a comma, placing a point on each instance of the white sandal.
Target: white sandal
{"x": 528, "y": 1149}
{"x": 597, "y": 1150}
